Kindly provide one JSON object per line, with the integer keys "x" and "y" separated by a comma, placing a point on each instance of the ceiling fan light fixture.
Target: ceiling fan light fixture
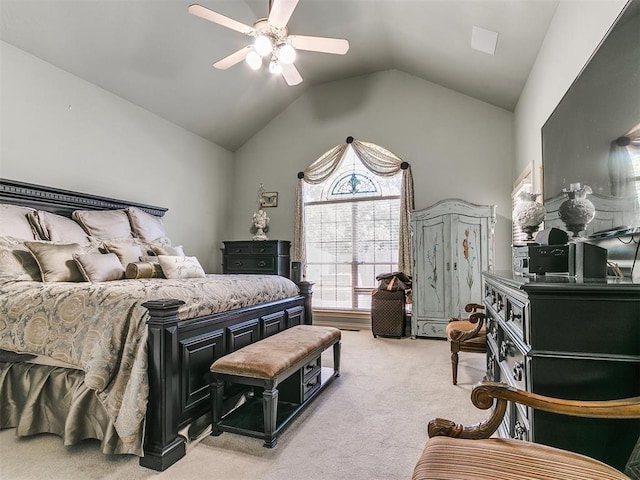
{"x": 275, "y": 68}
{"x": 263, "y": 45}
{"x": 254, "y": 60}
{"x": 286, "y": 54}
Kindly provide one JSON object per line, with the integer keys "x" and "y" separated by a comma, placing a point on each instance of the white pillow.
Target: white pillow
{"x": 99, "y": 267}
{"x": 180, "y": 267}
{"x": 104, "y": 224}
{"x": 14, "y": 222}
{"x": 145, "y": 226}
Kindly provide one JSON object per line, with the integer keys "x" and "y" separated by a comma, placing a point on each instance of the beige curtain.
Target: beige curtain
{"x": 379, "y": 161}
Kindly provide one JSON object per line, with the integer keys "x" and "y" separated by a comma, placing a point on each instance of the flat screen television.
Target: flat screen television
{"x": 593, "y": 135}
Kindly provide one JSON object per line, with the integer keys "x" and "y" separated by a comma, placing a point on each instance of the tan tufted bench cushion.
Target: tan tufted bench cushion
{"x": 273, "y": 355}
{"x": 446, "y": 458}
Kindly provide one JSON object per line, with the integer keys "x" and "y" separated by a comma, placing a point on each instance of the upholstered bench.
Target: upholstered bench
{"x": 287, "y": 366}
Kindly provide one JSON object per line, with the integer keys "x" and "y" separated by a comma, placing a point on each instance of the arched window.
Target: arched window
{"x": 351, "y": 232}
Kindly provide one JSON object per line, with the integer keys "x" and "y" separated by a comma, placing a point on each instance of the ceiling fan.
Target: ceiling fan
{"x": 271, "y": 40}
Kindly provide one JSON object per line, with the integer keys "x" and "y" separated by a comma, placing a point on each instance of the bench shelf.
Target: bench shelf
{"x": 248, "y": 418}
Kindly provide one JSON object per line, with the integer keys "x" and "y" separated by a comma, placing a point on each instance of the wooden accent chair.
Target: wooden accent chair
{"x": 456, "y": 452}
{"x": 467, "y": 335}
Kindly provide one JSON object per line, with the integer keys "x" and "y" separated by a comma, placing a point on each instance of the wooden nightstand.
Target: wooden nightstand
{"x": 269, "y": 257}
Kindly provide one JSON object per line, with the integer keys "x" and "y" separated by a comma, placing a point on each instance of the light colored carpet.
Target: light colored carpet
{"x": 369, "y": 424}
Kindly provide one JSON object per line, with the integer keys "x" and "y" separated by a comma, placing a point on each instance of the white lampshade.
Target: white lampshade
{"x": 254, "y": 60}
{"x": 275, "y": 68}
{"x": 263, "y": 45}
{"x": 286, "y": 54}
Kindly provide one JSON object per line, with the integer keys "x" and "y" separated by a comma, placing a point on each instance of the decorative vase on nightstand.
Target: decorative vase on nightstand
{"x": 529, "y": 214}
{"x": 576, "y": 211}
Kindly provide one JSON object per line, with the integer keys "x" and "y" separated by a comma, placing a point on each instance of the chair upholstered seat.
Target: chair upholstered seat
{"x": 446, "y": 458}
{"x": 464, "y": 326}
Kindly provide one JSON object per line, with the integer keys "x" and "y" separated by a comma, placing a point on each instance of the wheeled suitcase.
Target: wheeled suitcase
{"x": 387, "y": 313}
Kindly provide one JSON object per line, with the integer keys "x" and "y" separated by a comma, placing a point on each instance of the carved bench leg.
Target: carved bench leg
{"x": 336, "y": 358}
{"x": 270, "y": 410}
{"x": 217, "y": 394}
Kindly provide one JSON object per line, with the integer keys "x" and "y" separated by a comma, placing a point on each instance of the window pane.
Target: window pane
{"x": 352, "y": 234}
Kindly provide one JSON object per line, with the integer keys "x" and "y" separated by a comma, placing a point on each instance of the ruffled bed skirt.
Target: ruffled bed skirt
{"x": 40, "y": 398}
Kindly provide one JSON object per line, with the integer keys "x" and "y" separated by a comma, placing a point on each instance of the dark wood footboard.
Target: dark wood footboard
{"x": 180, "y": 354}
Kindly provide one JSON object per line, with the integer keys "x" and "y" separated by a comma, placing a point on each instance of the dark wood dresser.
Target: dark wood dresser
{"x": 569, "y": 339}
{"x": 268, "y": 257}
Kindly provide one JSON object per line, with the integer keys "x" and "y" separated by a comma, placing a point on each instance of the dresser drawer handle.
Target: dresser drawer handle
{"x": 311, "y": 384}
{"x": 262, "y": 250}
{"x": 519, "y": 431}
{"x": 238, "y": 250}
{"x": 237, "y": 263}
{"x": 262, "y": 263}
{"x": 518, "y": 368}
{"x": 514, "y": 316}
{"x": 505, "y": 348}
{"x": 311, "y": 367}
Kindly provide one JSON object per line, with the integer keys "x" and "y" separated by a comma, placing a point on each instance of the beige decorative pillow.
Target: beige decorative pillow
{"x": 180, "y": 267}
{"x": 166, "y": 250}
{"x": 50, "y": 226}
{"x": 99, "y": 267}
{"x": 104, "y": 224}
{"x": 16, "y": 261}
{"x": 144, "y": 270}
{"x": 56, "y": 260}
{"x": 127, "y": 250}
{"x": 14, "y": 222}
{"x": 145, "y": 226}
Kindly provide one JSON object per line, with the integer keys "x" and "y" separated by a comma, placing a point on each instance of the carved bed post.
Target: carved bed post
{"x": 306, "y": 290}
{"x": 162, "y": 445}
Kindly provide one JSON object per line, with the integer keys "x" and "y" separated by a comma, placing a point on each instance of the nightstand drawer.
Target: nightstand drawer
{"x": 268, "y": 257}
{"x": 249, "y": 264}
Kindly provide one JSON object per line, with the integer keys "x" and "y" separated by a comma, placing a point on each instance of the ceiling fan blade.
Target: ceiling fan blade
{"x": 215, "y": 17}
{"x": 281, "y": 12}
{"x": 291, "y": 75}
{"x": 234, "y": 58}
{"x": 337, "y": 46}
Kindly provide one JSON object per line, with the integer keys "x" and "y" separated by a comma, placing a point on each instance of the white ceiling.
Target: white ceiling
{"x": 156, "y": 55}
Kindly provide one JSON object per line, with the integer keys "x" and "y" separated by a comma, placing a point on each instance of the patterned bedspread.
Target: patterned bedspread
{"x": 100, "y": 328}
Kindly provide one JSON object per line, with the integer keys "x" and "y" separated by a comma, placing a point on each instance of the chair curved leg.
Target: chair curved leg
{"x": 455, "y": 348}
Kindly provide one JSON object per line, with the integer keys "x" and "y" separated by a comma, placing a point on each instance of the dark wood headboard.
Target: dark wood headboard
{"x": 63, "y": 202}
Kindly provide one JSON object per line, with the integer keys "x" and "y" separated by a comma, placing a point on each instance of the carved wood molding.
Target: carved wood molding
{"x": 64, "y": 202}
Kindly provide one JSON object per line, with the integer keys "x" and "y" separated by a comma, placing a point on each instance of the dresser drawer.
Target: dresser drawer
{"x": 263, "y": 249}
{"x": 515, "y": 317}
{"x": 513, "y": 362}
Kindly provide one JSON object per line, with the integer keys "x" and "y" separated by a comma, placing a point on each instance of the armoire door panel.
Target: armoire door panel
{"x": 469, "y": 261}
{"x": 431, "y": 301}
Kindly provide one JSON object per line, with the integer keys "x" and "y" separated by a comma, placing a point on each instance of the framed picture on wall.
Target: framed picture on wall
{"x": 269, "y": 199}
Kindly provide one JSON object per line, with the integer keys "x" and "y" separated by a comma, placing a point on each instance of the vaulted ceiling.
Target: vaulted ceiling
{"x": 158, "y": 56}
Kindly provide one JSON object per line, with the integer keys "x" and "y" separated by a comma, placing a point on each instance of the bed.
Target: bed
{"x": 130, "y": 363}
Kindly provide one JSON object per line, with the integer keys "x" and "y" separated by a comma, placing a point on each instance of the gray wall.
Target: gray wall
{"x": 457, "y": 146}
{"x": 61, "y": 131}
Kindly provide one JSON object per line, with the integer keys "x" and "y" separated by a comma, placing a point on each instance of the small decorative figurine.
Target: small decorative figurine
{"x": 260, "y": 221}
